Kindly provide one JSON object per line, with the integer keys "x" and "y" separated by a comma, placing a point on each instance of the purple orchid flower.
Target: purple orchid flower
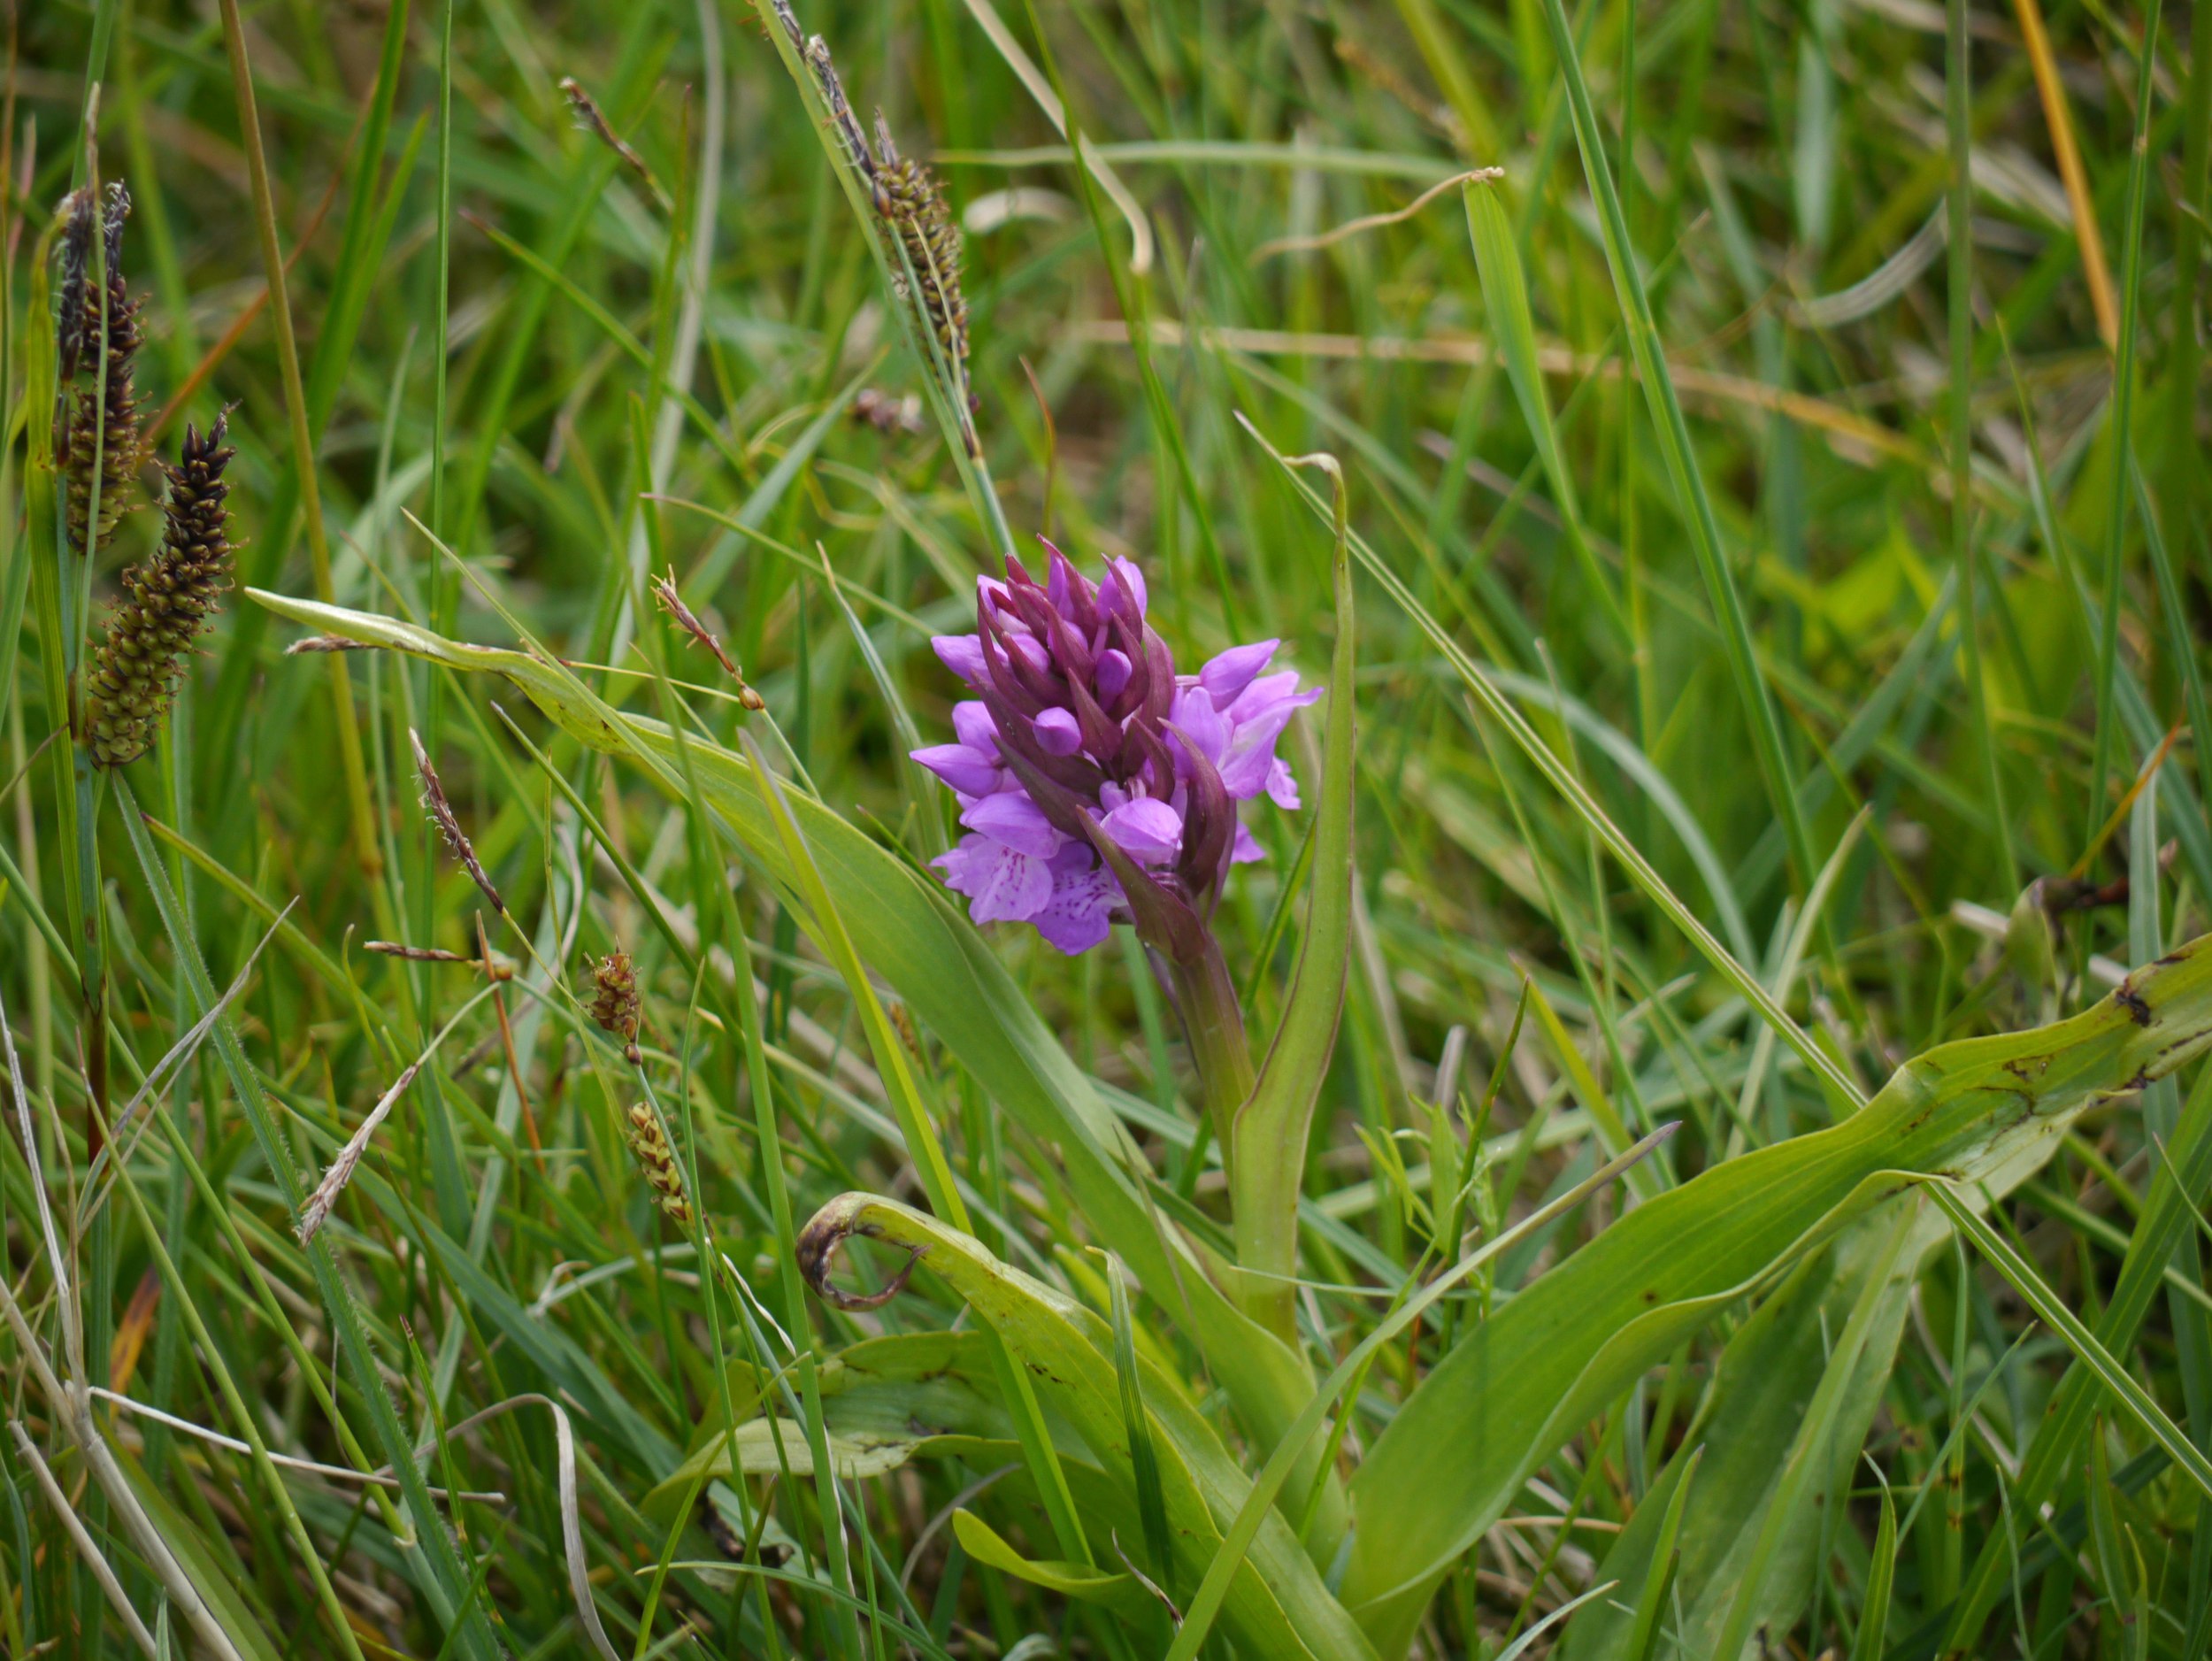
{"x": 1085, "y": 767}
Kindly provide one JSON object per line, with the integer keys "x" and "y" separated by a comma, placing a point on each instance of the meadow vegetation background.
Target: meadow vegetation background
{"x": 1771, "y": 440}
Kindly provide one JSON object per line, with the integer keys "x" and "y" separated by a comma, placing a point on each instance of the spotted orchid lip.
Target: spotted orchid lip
{"x": 1085, "y": 762}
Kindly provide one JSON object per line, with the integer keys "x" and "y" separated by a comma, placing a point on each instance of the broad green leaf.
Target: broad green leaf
{"x": 1275, "y": 1603}
{"x": 1985, "y": 1111}
{"x": 1880, "y": 1577}
{"x": 1273, "y": 1126}
{"x": 1120, "y": 1592}
{"x": 1754, "y": 1595}
{"x": 884, "y": 1402}
{"x": 1766, "y": 1382}
{"x": 1258, "y": 1509}
{"x": 1666, "y": 1556}
{"x": 906, "y": 931}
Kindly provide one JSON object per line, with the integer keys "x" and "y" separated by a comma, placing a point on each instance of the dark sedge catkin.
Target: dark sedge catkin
{"x": 100, "y": 445}
{"x": 168, "y": 601}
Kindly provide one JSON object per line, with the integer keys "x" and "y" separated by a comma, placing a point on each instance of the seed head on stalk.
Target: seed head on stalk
{"x": 615, "y": 1005}
{"x": 656, "y": 1163}
{"x": 442, "y": 814}
{"x": 168, "y": 601}
{"x": 100, "y": 445}
{"x": 909, "y": 204}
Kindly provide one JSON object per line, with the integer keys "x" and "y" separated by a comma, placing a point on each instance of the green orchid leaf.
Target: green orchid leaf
{"x": 1984, "y": 1113}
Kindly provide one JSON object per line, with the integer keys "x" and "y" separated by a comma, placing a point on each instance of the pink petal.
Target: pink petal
{"x": 1110, "y": 672}
{"x": 972, "y": 722}
{"x": 968, "y": 771}
{"x": 1114, "y": 596}
{"x": 1011, "y": 818}
{"x": 1002, "y": 884}
{"x": 1059, "y": 733}
{"x": 962, "y": 654}
{"x": 1227, "y": 676}
{"x": 1079, "y": 913}
{"x": 1149, "y": 831}
{"x": 1194, "y": 718}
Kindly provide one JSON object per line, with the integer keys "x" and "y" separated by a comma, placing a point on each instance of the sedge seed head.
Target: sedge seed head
{"x": 656, "y": 1163}
{"x": 167, "y": 601}
{"x": 100, "y": 445}
{"x": 614, "y": 1004}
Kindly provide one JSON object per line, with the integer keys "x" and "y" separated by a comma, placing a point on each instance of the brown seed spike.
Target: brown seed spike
{"x": 912, "y": 204}
{"x": 615, "y": 1005}
{"x": 441, "y": 815}
{"x": 168, "y": 601}
{"x": 100, "y": 443}
{"x": 76, "y": 266}
{"x": 671, "y": 601}
{"x": 589, "y": 117}
{"x": 656, "y": 1162}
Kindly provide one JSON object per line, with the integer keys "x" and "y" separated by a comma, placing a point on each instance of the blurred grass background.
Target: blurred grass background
{"x": 1949, "y": 724}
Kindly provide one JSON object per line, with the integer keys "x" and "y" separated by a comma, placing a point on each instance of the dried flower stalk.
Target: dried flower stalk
{"x": 316, "y": 1212}
{"x": 671, "y": 601}
{"x": 589, "y": 117}
{"x": 497, "y": 969}
{"x": 441, "y": 815}
{"x": 170, "y": 598}
{"x": 657, "y": 1161}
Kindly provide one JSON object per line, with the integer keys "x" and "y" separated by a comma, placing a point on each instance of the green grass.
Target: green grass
{"x": 1772, "y": 617}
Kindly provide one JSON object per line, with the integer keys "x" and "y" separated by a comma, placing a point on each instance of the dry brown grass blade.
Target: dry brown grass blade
{"x": 312, "y": 1467}
{"x": 572, "y": 1524}
{"x": 1856, "y": 432}
{"x": 1371, "y": 221}
{"x": 316, "y": 1210}
{"x": 2059, "y": 117}
{"x": 70, "y": 1403}
{"x": 86, "y": 1552}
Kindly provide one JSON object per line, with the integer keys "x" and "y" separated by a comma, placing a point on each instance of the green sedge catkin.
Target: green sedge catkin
{"x": 101, "y": 446}
{"x": 169, "y": 600}
{"x": 656, "y": 1162}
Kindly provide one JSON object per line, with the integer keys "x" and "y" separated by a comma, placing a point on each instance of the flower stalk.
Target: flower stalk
{"x": 1097, "y": 786}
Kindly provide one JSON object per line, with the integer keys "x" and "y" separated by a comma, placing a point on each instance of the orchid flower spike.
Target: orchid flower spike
{"x": 1096, "y": 785}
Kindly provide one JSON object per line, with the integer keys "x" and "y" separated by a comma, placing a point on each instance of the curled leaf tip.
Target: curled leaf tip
{"x": 816, "y": 1254}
